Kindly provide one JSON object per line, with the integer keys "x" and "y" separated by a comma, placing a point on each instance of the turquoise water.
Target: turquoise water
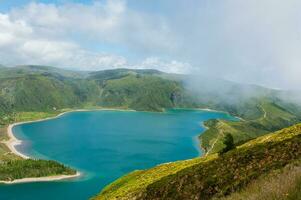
{"x": 105, "y": 145}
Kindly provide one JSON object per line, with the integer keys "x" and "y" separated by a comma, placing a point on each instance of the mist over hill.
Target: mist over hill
{"x": 48, "y": 89}
{"x": 24, "y": 89}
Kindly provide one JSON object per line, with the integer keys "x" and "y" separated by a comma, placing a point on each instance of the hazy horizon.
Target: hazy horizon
{"x": 254, "y": 42}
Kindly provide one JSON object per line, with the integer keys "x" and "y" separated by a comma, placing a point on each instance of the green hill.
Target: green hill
{"x": 33, "y": 92}
{"x": 214, "y": 176}
{"x": 49, "y": 89}
{"x": 23, "y": 88}
{"x": 272, "y": 118}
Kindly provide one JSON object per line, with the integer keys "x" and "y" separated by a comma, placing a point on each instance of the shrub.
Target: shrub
{"x": 228, "y": 142}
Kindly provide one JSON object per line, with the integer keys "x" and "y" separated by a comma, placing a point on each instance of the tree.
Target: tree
{"x": 228, "y": 142}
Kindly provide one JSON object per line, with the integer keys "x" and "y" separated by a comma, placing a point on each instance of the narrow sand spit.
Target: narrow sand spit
{"x": 13, "y": 142}
{"x": 42, "y": 179}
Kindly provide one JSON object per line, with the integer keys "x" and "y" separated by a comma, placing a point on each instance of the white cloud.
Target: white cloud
{"x": 103, "y": 21}
{"x": 18, "y": 45}
{"x": 47, "y": 34}
{"x": 256, "y": 41}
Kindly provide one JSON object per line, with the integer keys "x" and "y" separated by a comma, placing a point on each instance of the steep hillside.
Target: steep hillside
{"x": 33, "y": 92}
{"x": 273, "y": 117}
{"x": 44, "y": 93}
{"x": 47, "y": 89}
{"x": 39, "y": 88}
{"x": 139, "y": 93}
{"x": 213, "y": 175}
{"x": 282, "y": 184}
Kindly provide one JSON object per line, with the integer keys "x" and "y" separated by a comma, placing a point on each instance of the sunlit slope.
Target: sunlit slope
{"x": 36, "y": 88}
{"x": 213, "y": 175}
{"x": 272, "y": 117}
{"x": 48, "y": 89}
{"x": 33, "y": 92}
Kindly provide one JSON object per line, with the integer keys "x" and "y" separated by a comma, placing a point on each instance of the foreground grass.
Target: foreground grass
{"x": 284, "y": 184}
{"x": 129, "y": 184}
{"x": 211, "y": 176}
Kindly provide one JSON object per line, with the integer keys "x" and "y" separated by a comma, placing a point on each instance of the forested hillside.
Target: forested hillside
{"x": 34, "y": 92}
{"x": 49, "y": 89}
{"x": 216, "y": 176}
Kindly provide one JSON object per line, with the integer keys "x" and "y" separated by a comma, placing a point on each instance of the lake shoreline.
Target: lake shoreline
{"x": 12, "y": 142}
{"x": 42, "y": 179}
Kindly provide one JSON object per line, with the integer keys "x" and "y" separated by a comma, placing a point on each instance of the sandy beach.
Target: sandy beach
{"x": 42, "y": 179}
{"x": 12, "y": 142}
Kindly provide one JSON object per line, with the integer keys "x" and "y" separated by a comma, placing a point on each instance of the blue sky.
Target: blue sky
{"x": 230, "y": 39}
{"x": 6, "y": 5}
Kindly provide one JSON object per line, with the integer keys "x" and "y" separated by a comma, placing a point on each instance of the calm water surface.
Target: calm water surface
{"x": 105, "y": 145}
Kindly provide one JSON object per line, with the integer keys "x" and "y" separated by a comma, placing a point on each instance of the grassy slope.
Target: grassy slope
{"x": 204, "y": 178}
{"x": 282, "y": 184}
{"x": 44, "y": 89}
{"x": 272, "y": 118}
{"x": 35, "y": 92}
{"x": 38, "y": 89}
{"x": 139, "y": 93}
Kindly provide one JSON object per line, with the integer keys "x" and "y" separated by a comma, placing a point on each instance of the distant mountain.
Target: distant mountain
{"x": 36, "y": 69}
{"x": 48, "y": 90}
{"x": 40, "y": 88}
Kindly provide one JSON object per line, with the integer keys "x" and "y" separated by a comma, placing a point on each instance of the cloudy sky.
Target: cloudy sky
{"x": 254, "y": 41}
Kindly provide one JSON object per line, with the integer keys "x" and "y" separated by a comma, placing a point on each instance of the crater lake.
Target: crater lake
{"x": 104, "y": 145}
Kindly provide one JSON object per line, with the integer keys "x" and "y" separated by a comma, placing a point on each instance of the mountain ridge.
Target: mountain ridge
{"x": 34, "y": 92}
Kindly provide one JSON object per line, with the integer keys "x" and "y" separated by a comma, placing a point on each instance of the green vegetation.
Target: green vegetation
{"x": 34, "y": 92}
{"x": 5, "y": 153}
{"x": 128, "y": 186}
{"x": 212, "y": 175}
{"x": 139, "y": 93}
{"x": 282, "y": 184}
{"x": 228, "y": 143}
{"x": 13, "y": 167}
{"x": 18, "y": 169}
{"x": 46, "y": 89}
{"x": 273, "y": 117}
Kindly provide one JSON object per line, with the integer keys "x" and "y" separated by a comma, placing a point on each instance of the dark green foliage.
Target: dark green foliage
{"x": 48, "y": 89}
{"x": 272, "y": 117}
{"x": 228, "y": 142}
{"x": 37, "y": 88}
{"x": 40, "y": 88}
{"x": 45, "y": 89}
{"x": 212, "y": 175}
{"x": 226, "y": 174}
{"x": 17, "y": 169}
{"x": 142, "y": 93}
